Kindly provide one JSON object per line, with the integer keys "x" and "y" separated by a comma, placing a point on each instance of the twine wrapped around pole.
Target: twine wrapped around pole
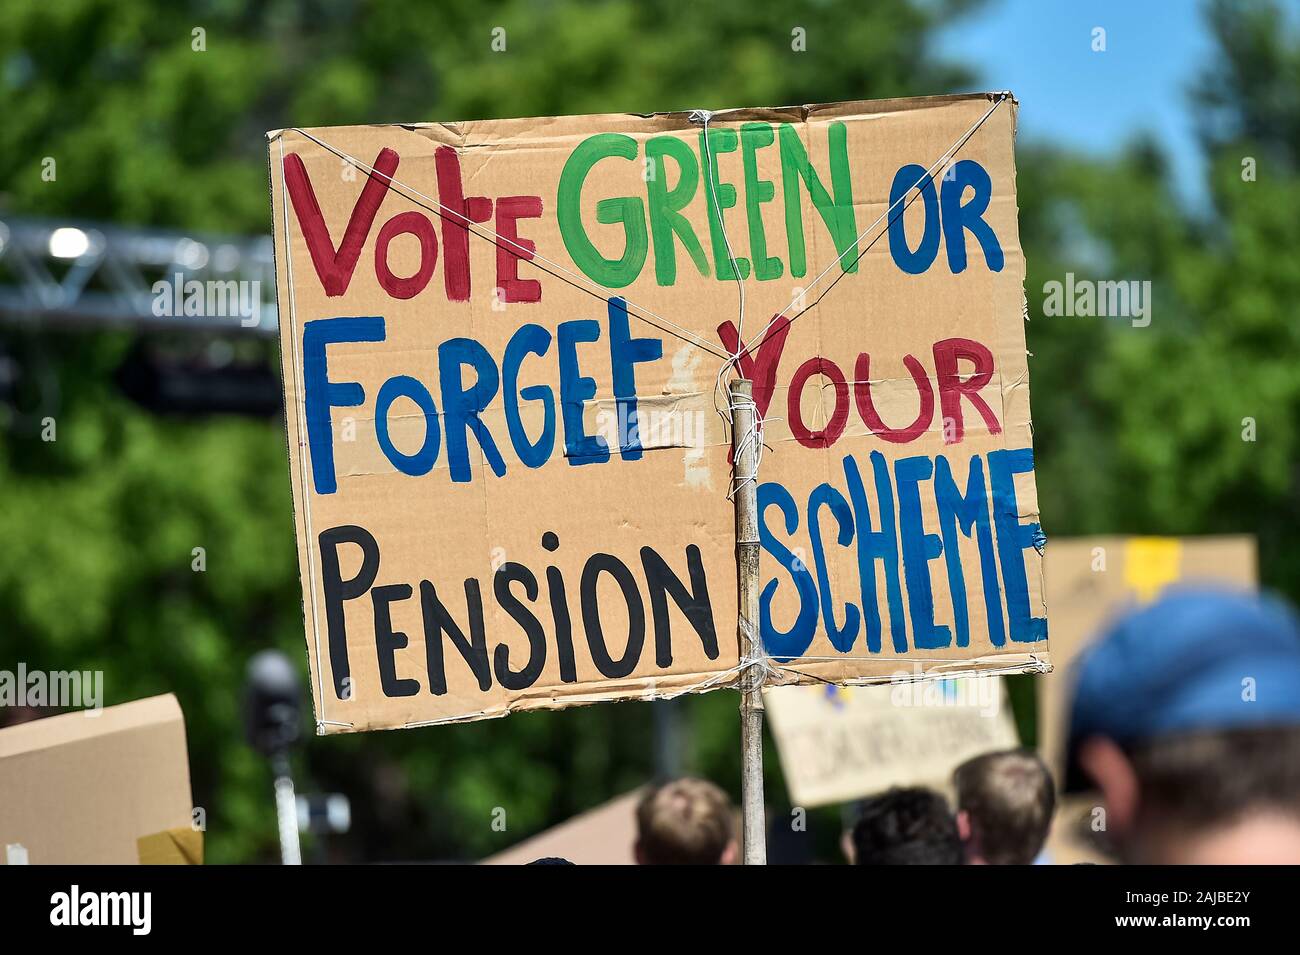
{"x": 745, "y": 443}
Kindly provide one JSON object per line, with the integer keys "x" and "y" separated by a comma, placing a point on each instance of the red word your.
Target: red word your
{"x": 759, "y": 364}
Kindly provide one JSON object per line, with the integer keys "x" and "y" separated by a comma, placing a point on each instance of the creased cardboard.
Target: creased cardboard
{"x": 501, "y": 345}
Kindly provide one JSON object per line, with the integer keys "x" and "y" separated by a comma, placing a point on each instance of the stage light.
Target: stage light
{"x": 69, "y": 243}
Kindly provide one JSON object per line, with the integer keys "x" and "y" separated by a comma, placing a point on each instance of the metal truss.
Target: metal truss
{"x": 88, "y": 275}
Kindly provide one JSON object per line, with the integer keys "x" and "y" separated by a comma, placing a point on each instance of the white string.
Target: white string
{"x": 524, "y": 254}
{"x": 948, "y": 154}
{"x": 721, "y": 384}
{"x": 835, "y": 658}
{"x": 742, "y": 443}
{"x": 754, "y": 667}
{"x": 729, "y": 368}
{"x": 703, "y": 116}
{"x": 731, "y": 676}
{"x": 730, "y": 365}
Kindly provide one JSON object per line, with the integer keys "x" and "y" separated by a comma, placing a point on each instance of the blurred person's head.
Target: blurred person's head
{"x": 906, "y": 827}
{"x": 685, "y": 822}
{"x": 1004, "y": 807}
{"x": 1186, "y": 717}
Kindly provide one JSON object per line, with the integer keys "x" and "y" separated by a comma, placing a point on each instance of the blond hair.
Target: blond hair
{"x": 684, "y": 822}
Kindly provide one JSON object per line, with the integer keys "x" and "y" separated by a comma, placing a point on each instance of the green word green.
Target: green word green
{"x": 658, "y": 219}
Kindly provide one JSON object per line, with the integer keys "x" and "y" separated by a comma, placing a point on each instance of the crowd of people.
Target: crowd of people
{"x": 1184, "y": 724}
{"x": 1003, "y": 812}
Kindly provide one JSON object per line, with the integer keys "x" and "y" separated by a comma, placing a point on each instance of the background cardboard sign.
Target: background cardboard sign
{"x": 99, "y": 787}
{"x": 605, "y": 835}
{"x": 842, "y": 743}
{"x": 501, "y": 346}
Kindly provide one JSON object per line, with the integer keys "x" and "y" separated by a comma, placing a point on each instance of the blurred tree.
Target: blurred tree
{"x": 1137, "y": 429}
{"x": 154, "y": 113}
{"x": 1189, "y": 425}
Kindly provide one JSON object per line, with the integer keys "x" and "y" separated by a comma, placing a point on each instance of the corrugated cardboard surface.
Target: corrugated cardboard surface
{"x": 430, "y": 528}
{"x": 82, "y": 789}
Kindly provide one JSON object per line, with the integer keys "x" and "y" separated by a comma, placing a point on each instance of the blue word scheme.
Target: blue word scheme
{"x": 896, "y": 541}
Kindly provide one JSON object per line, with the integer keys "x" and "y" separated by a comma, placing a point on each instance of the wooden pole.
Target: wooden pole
{"x": 745, "y": 446}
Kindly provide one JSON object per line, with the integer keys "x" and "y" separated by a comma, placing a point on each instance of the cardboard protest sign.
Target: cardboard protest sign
{"x": 840, "y": 743}
{"x": 99, "y": 787}
{"x": 1090, "y": 580}
{"x": 502, "y": 344}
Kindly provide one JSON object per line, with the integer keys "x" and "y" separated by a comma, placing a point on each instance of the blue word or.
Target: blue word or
{"x": 944, "y": 207}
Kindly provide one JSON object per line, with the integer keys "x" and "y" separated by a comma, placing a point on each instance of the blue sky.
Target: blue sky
{"x": 1042, "y": 51}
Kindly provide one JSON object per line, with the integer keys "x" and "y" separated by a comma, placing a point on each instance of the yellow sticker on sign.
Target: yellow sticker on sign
{"x": 1151, "y": 564}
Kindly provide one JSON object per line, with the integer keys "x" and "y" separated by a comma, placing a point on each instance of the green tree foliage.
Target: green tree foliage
{"x": 1149, "y": 430}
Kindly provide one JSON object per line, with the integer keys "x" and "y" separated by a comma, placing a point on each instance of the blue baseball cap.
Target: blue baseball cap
{"x": 1195, "y": 659}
